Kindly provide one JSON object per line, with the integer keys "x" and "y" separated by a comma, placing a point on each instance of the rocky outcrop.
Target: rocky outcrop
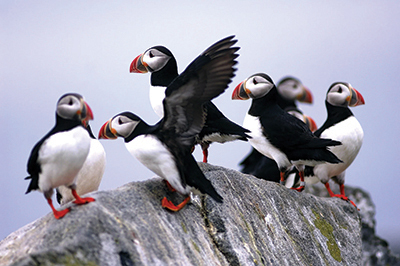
{"x": 375, "y": 251}
{"x": 259, "y": 223}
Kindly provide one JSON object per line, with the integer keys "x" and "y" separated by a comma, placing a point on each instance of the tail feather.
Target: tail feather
{"x": 321, "y": 155}
{"x": 33, "y": 185}
{"x": 195, "y": 178}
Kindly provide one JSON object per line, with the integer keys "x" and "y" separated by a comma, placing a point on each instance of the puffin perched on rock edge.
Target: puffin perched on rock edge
{"x": 340, "y": 125}
{"x": 58, "y": 157}
{"x": 165, "y": 148}
{"x": 277, "y": 134}
{"x": 162, "y": 65}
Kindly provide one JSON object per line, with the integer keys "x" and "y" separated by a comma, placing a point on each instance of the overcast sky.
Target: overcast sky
{"x": 49, "y": 48}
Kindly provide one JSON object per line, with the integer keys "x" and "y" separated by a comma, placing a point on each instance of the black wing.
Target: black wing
{"x": 204, "y": 79}
{"x": 217, "y": 122}
{"x": 33, "y": 167}
{"x": 295, "y": 139}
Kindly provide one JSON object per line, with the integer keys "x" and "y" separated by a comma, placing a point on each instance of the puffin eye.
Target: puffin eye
{"x": 295, "y": 86}
{"x": 255, "y": 82}
{"x": 151, "y": 54}
{"x": 120, "y": 121}
{"x": 70, "y": 102}
{"x": 340, "y": 90}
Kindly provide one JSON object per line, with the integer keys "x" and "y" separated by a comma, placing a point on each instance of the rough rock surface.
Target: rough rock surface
{"x": 259, "y": 223}
{"x": 376, "y": 251}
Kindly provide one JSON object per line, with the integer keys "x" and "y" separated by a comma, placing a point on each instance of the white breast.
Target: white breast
{"x": 61, "y": 157}
{"x": 157, "y": 95}
{"x": 261, "y": 143}
{"x": 153, "y": 154}
{"x": 350, "y": 133}
{"x": 91, "y": 173}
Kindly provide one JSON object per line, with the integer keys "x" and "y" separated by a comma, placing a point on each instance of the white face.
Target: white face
{"x": 155, "y": 59}
{"x": 258, "y": 86}
{"x": 123, "y": 125}
{"x": 68, "y": 107}
{"x": 290, "y": 89}
{"x": 338, "y": 95}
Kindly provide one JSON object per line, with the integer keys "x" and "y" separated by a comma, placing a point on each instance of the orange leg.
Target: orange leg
{"x": 165, "y": 203}
{"x": 341, "y": 195}
{"x": 57, "y": 214}
{"x": 282, "y": 181}
{"x": 171, "y": 188}
{"x": 205, "y": 155}
{"x": 79, "y": 200}
{"x": 302, "y": 183}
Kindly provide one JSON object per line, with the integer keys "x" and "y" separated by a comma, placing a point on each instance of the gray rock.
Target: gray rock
{"x": 259, "y": 223}
{"x": 375, "y": 251}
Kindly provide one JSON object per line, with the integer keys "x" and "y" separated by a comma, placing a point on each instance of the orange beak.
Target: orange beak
{"x": 107, "y": 132}
{"x": 310, "y": 123}
{"x": 138, "y": 66}
{"x": 355, "y": 98}
{"x": 239, "y": 93}
{"x": 85, "y": 113}
{"x": 306, "y": 96}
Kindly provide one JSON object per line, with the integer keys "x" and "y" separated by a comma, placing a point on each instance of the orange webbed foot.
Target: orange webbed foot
{"x": 82, "y": 201}
{"x": 299, "y": 189}
{"x": 167, "y": 204}
{"x": 78, "y": 200}
{"x": 60, "y": 214}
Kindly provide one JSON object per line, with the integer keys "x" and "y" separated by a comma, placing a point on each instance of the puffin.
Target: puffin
{"x": 277, "y": 134}
{"x": 340, "y": 125}
{"x": 166, "y": 147}
{"x": 91, "y": 174}
{"x": 267, "y": 169}
{"x": 59, "y": 156}
{"x": 162, "y": 65}
{"x": 290, "y": 90}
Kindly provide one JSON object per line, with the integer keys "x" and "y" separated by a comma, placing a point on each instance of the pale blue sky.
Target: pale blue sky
{"x": 49, "y": 48}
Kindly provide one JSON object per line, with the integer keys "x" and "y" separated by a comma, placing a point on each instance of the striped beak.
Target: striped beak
{"x": 85, "y": 113}
{"x": 107, "y": 132}
{"x": 355, "y": 98}
{"x": 305, "y": 96}
{"x": 310, "y": 123}
{"x": 138, "y": 66}
{"x": 239, "y": 93}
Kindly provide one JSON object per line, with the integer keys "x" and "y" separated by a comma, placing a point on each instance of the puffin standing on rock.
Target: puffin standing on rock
{"x": 340, "y": 125}
{"x": 165, "y": 148}
{"x": 89, "y": 177}
{"x": 290, "y": 90}
{"x": 58, "y": 157}
{"x": 161, "y": 63}
{"x": 277, "y": 134}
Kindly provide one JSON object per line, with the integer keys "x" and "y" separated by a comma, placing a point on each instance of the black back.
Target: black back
{"x": 289, "y": 134}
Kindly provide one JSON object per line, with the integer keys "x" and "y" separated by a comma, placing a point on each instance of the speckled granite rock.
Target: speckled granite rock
{"x": 376, "y": 251}
{"x": 259, "y": 223}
